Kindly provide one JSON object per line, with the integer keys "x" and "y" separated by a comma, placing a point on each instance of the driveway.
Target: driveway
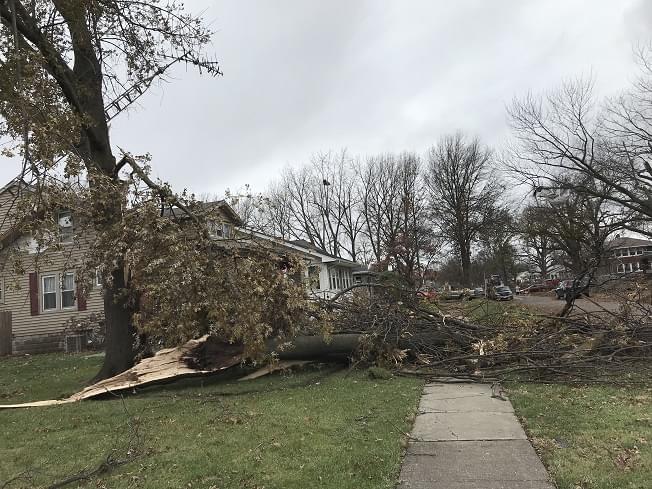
{"x": 550, "y": 305}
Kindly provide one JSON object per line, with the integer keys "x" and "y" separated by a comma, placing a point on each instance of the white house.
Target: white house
{"x": 326, "y": 274}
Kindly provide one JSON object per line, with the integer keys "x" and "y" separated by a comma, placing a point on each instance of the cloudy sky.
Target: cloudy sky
{"x": 372, "y": 76}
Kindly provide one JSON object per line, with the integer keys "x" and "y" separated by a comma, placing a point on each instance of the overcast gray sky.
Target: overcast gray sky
{"x": 371, "y": 76}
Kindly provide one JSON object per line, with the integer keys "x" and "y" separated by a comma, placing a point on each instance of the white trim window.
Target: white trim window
{"x": 332, "y": 279}
{"x": 2, "y": 290}
{"x": 66, "y": 229}
{"x": 49, "y": 292}
{"x": 67, "y": 290}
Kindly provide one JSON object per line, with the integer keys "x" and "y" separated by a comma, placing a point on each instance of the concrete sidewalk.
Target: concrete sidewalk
{"x": 465, "y": 439}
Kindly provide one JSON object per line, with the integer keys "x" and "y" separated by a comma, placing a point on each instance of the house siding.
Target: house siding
{"x": 8, "y": 202}
{"x": 44, "y": 332}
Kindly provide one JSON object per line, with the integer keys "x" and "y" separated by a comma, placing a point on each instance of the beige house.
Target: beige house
{"x": 45, "y": 299}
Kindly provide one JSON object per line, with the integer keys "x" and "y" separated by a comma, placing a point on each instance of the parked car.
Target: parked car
{"x": 551, "y": 283}
{"x": 566, "y": 286}
{"x": 477, "y": 293}
{"x": 535, "y": 288}
{"x": 562, "y": 288}
{"x": 503, "y": 293}
{"x": 451, "y": 294}
{"x": 427, "y": 294}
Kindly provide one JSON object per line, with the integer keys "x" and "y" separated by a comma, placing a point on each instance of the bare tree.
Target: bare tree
{"x": 276, "y": 213}
{"x": 535, "y": 235}
{"x": 568, "y": 141}
{"x": 319, "y": 203}
{"x": 414, "y": 245}
{"x": 497, "y": 244}
{"x": 462, "y": 190}
{"x": 374, "y": 201}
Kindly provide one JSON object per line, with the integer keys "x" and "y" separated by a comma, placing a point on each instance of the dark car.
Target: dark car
{"x": 565, "y": 288}
{"x": 503, "y": 293}
{"x": 535, "y": 288}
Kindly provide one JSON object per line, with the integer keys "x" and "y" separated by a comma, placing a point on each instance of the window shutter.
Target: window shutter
{"x": 33, "y": 294}
{"x": 81, "y": 299}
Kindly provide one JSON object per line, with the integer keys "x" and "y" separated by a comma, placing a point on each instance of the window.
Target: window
{"x": 49, "y": 289}
{"x": 333, "y": 279}
{"x": 65, "y": 227}
{"x": 68, "y": 290}
{"x": 98, "y": 278}
{"x": 218, "y": 229}
{"x": 313, "y": 276}
{"x": 620, "y": 268}
{"x": 2, "y": 290}
{"x": 214, "y": 229}
{"x": 348, "y": 281}
{"x": 639, "y": 251}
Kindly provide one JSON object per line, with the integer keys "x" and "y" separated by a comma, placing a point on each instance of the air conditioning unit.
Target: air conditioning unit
{"x": 75, "y": 343}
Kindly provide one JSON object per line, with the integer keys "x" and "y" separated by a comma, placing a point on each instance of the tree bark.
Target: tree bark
{"x": 119, "y": 340}
{"x": 465, "y": 257}
{"x": 95, "y": 148}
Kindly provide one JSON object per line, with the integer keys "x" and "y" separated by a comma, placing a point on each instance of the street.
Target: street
{"x": 549, "y": 304}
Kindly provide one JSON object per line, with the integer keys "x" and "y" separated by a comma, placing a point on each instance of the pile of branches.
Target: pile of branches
{"x": 400, "y": 330}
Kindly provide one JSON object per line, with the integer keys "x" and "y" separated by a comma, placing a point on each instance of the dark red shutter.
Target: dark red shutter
{"x": 33, "y": 294}
{"x": 81, "y": 299}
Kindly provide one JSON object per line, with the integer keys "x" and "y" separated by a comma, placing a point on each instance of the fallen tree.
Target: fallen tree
{"x": 209, "y": 356}
{"x": 397, "y": 330}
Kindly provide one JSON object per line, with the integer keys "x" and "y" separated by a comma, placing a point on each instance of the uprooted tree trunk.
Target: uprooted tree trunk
{"x": 206, "y": 356}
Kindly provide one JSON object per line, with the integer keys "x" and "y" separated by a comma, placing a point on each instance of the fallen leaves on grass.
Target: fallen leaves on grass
{"x": 628, "y": 458}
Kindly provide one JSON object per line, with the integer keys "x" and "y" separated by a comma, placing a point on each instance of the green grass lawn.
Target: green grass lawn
{"x": 590, "y": 437}
{"x": 318, "y": 428}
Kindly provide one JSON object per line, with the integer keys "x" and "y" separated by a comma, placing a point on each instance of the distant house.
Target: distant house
{"x": 326, "y": 274}
{"x": 628, "y": 255}
{"x": 555, "y": 272}
{"x": 224, "y": 219}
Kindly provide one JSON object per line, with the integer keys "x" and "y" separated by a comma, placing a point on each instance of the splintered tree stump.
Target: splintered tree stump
{"x": 196, "y": 357}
